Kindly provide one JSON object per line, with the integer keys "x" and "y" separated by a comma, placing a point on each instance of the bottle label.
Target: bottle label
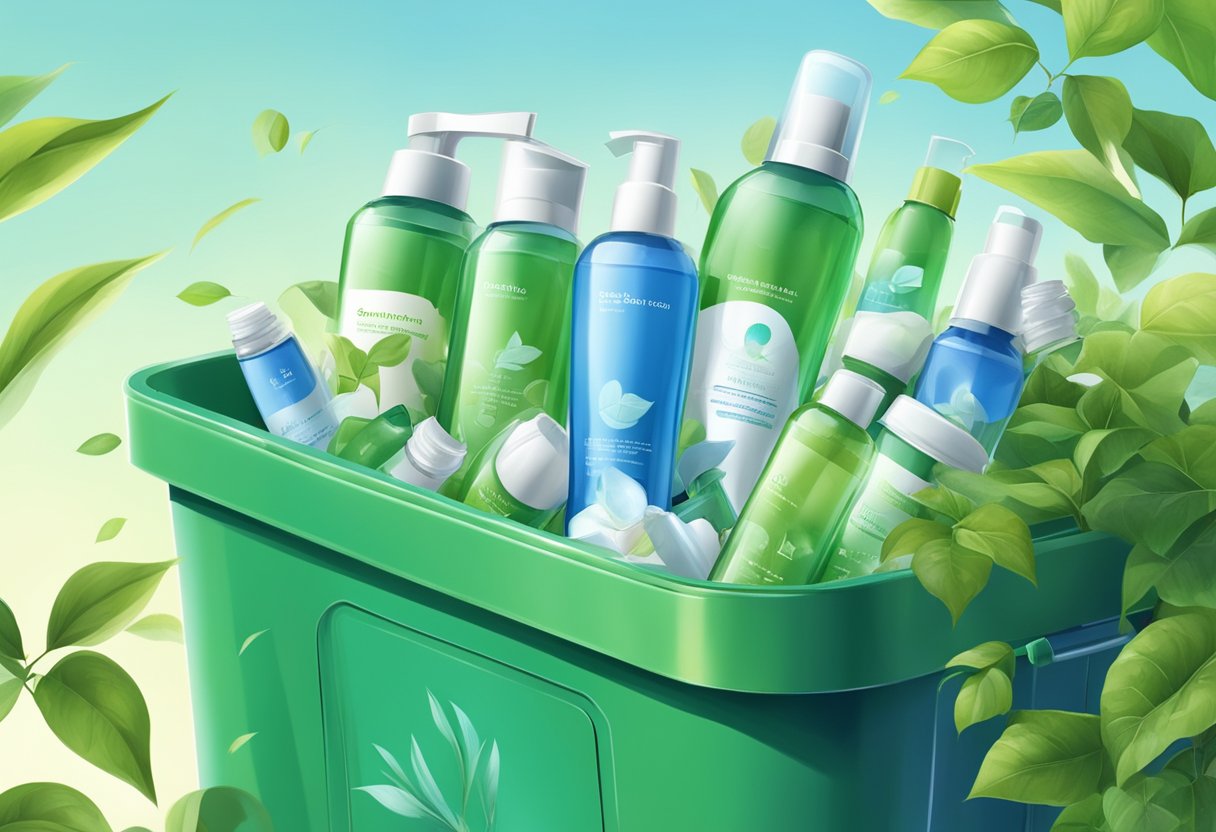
{"x": 288, "y": 394}
{"x": 744, "y": 386}
{"x": 370, "y": 315}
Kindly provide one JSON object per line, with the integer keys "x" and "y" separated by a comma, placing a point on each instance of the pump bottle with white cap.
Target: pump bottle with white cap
{"x": 510, "y": 348}
{"x": 401, "y": 259}
{"x": 635, "y": 299}
{"x": 974, "y": 373}
{"x": 775, "y": 269}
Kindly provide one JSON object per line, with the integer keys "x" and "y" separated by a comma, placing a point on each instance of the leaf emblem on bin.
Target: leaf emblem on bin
{"x": 515, "y": 354}
{"x": 619, "y": 409}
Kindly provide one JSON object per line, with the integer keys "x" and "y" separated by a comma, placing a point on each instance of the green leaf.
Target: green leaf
{"x": 1151, "y": 503}
{"x": 1192, "y": 451}
{"x": 241, "y": 741}
{"x": 1077, "y": 189}
{"x": 1129, "y": 267}
{"x": 1136, "y": 809}
{"x": 10, "y": 634}
{"x": 938, "y": 14}
{"x": 49, "y": 807}
{"x": 41, "y": 157}
{"x": 984, "y": 695}
{"x": 1046, "y": 757}
{"x": 99, "y": 445}
{"x": 270, "y": 132}
{"x": 101, "y": 599}
{"x": 110, "y": 529}
{"x": 1205, "y": 414}
{"x": 97, "y": 711}
{"x": 1054, "y": 5}
{"x": 250, "y": 640}
{"x": 354, "y": 367}
{"x": 1030, "y": 114}
{"x": 910, "y": 535}
{"x": 1160, "y": 688}
{"x": 1175, "y": 149}
{"x": 1200, "y": 230}
{"x": 218, "y": 809}
{"x": 440, "y": 718}
{"x": 52, "y": 314}
{"x": 998, "y": 533}
{"x": 756, "y": 140}
{"x": 1140, "y": 574}
{"x": 1103, "y": 453}
{"x": 1185, "y": 575}
{"x": 158, "y": 627}
{"x": 305, "y": 139}
{"x": 10, "y": 691}
{"x": 322, "y": 294}
{"x": 203, "y": 293}
{"x": 390, "y": 350}
{"x": 1081, "y": 283}
{"x": 211, "y": 224}
{"x": 951, "y": 574}
{"x": 945, "y": 502}
{"x": 1183, "y": 310}
{"x": 704, "y": 185}
{"x": 1086, "y": 816}
{"x": 18, "y": 90}
{"x": 1104, "y": 27}
{"x": 1033, "y": 494}
{"x": 888, "y": 97}
{"x": 983, "y": 656}
{"x": 1099, "y": 113}
{"x": 307, "y": 309}
{"x": 1144, "y": 380}
{"x": 1185, "y": 38}
{"x": 975, "y": 60}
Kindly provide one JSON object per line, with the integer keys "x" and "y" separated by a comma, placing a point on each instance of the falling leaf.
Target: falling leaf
{"x": 211, "y": 224}
{"x": 252, "y": 638}
{"x": 203, "y": 293}
{"x": 270, "y": 131}
{"x": 239, "y": 742}
{"x": 888, "y": 97}
{"x": 110, "y": 529}
{"x": 99, "y": 445}
{"x": 305, "y": 139}
{"x": 704, "y": 185}
{"x": 18, "y": 90}
{"x": 158, "y": 627}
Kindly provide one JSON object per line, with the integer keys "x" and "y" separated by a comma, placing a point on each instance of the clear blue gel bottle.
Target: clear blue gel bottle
{"x": 634, "y": 308}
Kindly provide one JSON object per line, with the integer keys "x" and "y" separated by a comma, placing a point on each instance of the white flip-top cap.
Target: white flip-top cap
{"x": 646, "y": 200}
{"x": 433, "y": 450}
{"x": 539, "y": 184}
{"x": 992, "y": 291}
{"x": 894, "y": 342}
{"x": 853, "y": 396}
{"x": 533, "y": 465}
{"x": 821, "y": 126}
{"x": 427, "y": 167}
{"x": 934, "y": 435}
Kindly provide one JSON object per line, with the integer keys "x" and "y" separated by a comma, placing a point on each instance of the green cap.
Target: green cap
{"x": 939, "y": 181}
{"x": 707, "y": 500}
{"x": 380, "y": 438}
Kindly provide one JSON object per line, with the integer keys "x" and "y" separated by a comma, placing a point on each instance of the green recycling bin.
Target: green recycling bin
{"x": 367, "y": 656}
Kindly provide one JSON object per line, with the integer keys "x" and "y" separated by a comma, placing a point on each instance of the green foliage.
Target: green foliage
{"x": 1200, "y": 230}
{"x": 1185, "y": 38}
{"x": 888, "y": 97}
{"x": 322, "y": 294}
{"x": 110, "y": 529}
{"x": 356, "y": 367}
{"x": 18, "y": 90}
{"x": 1144, "y": 380}
{"x": 1028, "y": 114}
{"x": 756, "y": 140}
{"x": 218, "y": 809}
{"x": 1046, "y": 757}
{"x": 988, "y": 692}
{"x": 1182, "y": 310}
{"x": 975, "y": 60}
{"x": 270, "y": 132}
{"x": 938, "y": 14}
{"x": 101, "y": 599}
{"x": 1099, "y": 113}
{"x": 99, "y": 445}
{"x": 158, "y": 627}
{"x": 1175, "y": 149}
{"x": 1082, "y": 285}
{"x": 706, "y": 190}
{"x": 211, "y": 224}
{"x": 203, "y": 293}
{"x": 10, "y": 634}
{"x": 1104, "y": 27}
{"x": 49, "y": 807}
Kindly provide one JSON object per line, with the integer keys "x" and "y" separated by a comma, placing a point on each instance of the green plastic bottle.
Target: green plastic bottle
{"x": 510, "y": 348}
{"x": 401, "y": 259}
{"x": 788, "y": 524}
{"x": 776, "y": 265}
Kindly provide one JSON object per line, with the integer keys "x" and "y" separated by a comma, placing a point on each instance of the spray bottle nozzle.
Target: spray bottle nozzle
{"x": 938, "y": 181}
{"x": 645, "y": 201}
{"x": 441, "y": 132}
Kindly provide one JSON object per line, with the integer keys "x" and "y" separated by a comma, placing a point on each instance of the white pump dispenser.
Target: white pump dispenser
{"x": 992, "y": 291}
{"x": 645, "y": 201}
{"x": 427, "y": 167}
{"x": 539, "y": 184}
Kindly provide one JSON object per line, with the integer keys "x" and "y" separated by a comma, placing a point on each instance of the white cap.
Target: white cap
{"x": 539, "y": 184}
{"x": 433, "y": 450}
{"x": 687, "y": 549}
{"x": 894, "y": 342}
{"x": 255, "y": 329}
{"x": 645, "y": 201}
{"x": 992, "y": 291}
{"x": 821, "y": 126}
{"x": 1048, "y": 319}
{"x": 533, "y": 465}
{"x": 853, "y": 396}
{"x": 427, "y": 167}
{"x": 934, "y": 435}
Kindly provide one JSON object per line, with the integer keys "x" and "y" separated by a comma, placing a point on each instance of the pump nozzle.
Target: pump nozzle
{"x": 939, "y": 181}
{"x": 992, "y": 291}
{"x": 427, "y": 167}
{"x": 645, "y": 201}
{"x": 539, "y": 184}
{"x": 821, "y": 126}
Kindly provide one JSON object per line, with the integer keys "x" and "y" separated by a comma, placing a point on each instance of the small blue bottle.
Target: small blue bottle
{"x": 634, "y": 308}
{"x": 974, "y": 372}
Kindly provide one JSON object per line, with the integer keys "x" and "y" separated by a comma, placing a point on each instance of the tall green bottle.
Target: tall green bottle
{"x": 401, "y": 259}
{"x": 775, "y": 268}
{"x": 510, "y": 348}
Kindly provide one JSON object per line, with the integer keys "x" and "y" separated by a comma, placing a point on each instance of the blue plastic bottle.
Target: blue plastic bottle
{"x": 634, "y": 307}
{"x": 974, "y": 372}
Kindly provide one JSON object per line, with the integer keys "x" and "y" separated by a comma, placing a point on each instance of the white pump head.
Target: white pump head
{"x": 539, "y": 184}
{"x": 992, "y": 292}
{"x": 645, "y": 201}
{"x": 427, "y": 167}
{"x": 821, "y": 126}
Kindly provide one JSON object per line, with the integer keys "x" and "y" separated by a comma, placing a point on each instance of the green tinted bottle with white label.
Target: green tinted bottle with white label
{"x": 785, "y": 531}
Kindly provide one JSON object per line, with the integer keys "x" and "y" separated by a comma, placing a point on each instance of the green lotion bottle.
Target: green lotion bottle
{"x": 510, "y": 348}
{"x": 401, "y": 259}
{"x": 776, "y": 265}
{"x": 786, "y": 529}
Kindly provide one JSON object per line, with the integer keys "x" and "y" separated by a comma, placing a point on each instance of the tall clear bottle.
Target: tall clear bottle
{"x": 776, "y": 265}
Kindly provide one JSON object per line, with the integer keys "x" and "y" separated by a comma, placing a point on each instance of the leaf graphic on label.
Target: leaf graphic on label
{"x": 907, "y": 279}
{"x": 621, "y": 410}
{"x": 516, "y": 354}
{"x": 964, "y": 408}
{"x": 514, "y": 340}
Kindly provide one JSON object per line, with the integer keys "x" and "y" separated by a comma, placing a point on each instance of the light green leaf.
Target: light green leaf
{"x": 353, "y": 365}
{"x": 1081, "y": 283}
{"x": 1175, "y": 149}
{"x": 52, "y": 314}
{"x": 1161, "y": 688}
{"x": 49, "y": 807}
{"x": 97, "y": 711}
{"x": 1186, "y": 38}
{"x": 211, "y": 224}
{"x": 430, "y": 789}
{"x": 1076, "y": 188}
{"x": 1200, "y": 230}
{"x": 489, "y": 784}
{"x": 1102, "y": 453}
{"x": 440, "y": 718}
{"x": 41, "y": 157}
{"x": 1046, "y": 757}
{"x": 99, "y": 445}
{"x": 621, "y": 410}
{"x": 1099, "y": 113}
{"x": 888, "y": 97}
{"x": 101, "y": 599}
{"x": 10, "y": 634}
{"x": 1140, "y": 574}
{"x": 203, "y": 293}
{"x": 1086, "y": 816}
{"x": 217, "y": 809}
{"x": 1129, "y": 267}
{"x": 984, "y": 695}
{"x": 951, "y": 574}
{"x": 1136, "y": 809}
{"x": 946, "y": 502}
{"x": 1151, "y": 503}
{"x": 1183, "y": 310}
{"x": 110, "y": 529}
{"x": 390, "y": 350}
{"x": 975, "y": 60}
{"x": 305, "y": 139}
{"x": 756, "y": 140}
{"x": 270, "y": 132}
{"x": 1024, "y": 491}
{"x": 1144, "y": 380}
{"x": 311, "y": 310}
{"x": 910, "y": 535}
{"x": 1192, "y": 451}
{"x": 938, "y": 14}
{"x": 158, "y": 627}
{"x": 1030, "y": 114}
{"x": 322, "y": 294}
{"x": 1205, "y": 414}
{"x": 704, "y": 185}
{"x": 239, "y": 742}
{"x": 998, "y": 533}
{"x": 398, "y": 801}
{"x": 18, "y": 90}
{"x": 1104, "y": 27}
{"x": 250, "y": 640}
{"x": 996, "y": 654}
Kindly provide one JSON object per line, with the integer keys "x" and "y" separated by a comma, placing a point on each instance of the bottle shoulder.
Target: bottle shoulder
{"x": 981, "y": 336}
{"x": 638, "y": 249}
{"x": 416, "y": 214}
{"x": 526, "y": 238}
{"x": 795, "y": 184}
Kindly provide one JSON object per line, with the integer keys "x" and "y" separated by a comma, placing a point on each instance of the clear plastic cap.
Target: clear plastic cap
{"x": 949, "y": 155}
{"x": 821, "y": 126}
{"x": 539, "y": 184}
{"x": 646, "y": 201}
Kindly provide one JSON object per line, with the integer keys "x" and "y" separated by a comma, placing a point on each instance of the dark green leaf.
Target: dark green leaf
{"x": 951, "y": 574}
{"x": 998, "y": 533}
{"x": 1099, "y": 113}
{"x": 18, "y": 90}
{"x": 704, "y": 185}
{"x": 1082, "y": 284}
{"x": 158, "y": 627}
{"x": 99, "y": 445}
{"x": 1185, "y": 38}
{"x": 1183, "y": 310}
{"x": 938, "y": 14}
{"x": 390, "y": 350}
{"x": 975, "y": 60}
{"x": 910, "y": 535}
{"x": 1151, "y": 503}
{"x": 1030, "y": 114}
{"x": 211, "y": 224}
{"x": 97, "y": 711}
{"x": 1129, "y": 267}
{"x": 10, "y": 691}
{"x": 1175, "y": 149}
{"x": 1200, "y": 230}
{"x": 1104, "y": 27}
{"x": 1140, "y": 574}
{"x": 100, "y": 600}
{"x": 1186, "y": 575}
{"x": 49, "y": 807}
{"x": 756, "y": 140}
{"x": 218, "y": 809}
{"x": 1136, "y": 808}
{"x": 1046, "y": 757}
{"x": 110, "y": 529}
{"x": 10, "y": 634}
{"x": 270, "y": 131}
{"x": 984, "y": 695}
{"x": 1049, "y": 384}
